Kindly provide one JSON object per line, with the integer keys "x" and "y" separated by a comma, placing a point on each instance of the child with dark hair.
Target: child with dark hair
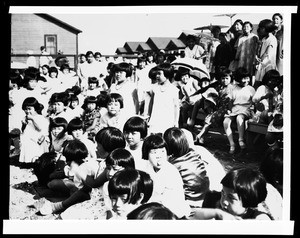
{"x": 34, "y": 131}
{"x": 188, "y": 86}
{"x": 91, "y": 116}
{"x": 168, "y": 184}
{"x": 30, "y": 88}
{"x": 265, "y": 96}
{"x": 75, "y": 128}
{"x": 76, "y": 110}
{"x": 247, "y": 45}
{"x": 151, "y": 211}
{"x": 76, "y": 171}
{"x": 67, "y": 76}
{"x": 58, "y": 133}
{"x": 125, "y": 87}
{"x": 59, "y": 106}
{"x": 115, "y": 115}
{"x": 95, "y": 86}
{"x": 128, "y": 189}
{"x": 135, "y": 131}
{"x": 243, "y": 190}
{"x": 266, "y": 58}
{"x": 241, "y": 101}
{"x": 190, "y": 165}
{"x": 165, "y": 100}
{"x": 117, "y": 160}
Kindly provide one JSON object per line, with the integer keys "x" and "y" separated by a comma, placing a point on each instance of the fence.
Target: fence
{"x": 70, "y": 58}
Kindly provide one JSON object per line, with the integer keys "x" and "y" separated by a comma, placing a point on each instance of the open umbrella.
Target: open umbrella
{"x": 209, "y": 27}
{"x": 197, "y": 69}
{"x": 199, "y": 34}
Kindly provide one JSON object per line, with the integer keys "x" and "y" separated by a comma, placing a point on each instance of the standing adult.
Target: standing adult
{"x": 247, "y": 47}
{"x": 90, "y": 68}
{"x": 267, "y": 53}
{"x": 45, "y": 59}
{"x": 278, "y": 33}
{"x": 193, "y": 50}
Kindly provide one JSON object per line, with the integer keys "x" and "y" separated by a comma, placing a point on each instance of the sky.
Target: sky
{"x": 104, "y": 29}
{"x": 106, "y": 32}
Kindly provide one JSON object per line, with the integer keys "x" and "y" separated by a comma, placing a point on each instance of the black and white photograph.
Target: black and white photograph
{"x": 150, "y": 113}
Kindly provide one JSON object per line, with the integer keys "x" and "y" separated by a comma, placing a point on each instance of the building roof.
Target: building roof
{"x": 121, "y": 50}
{"x": 159, "y": 43}
{"x": 59, "y": 23}
{"x": 175, "y": 44}
{"x": 143, "y": 47}
{"x": 183, "y": 36}
{"x": 132, "y": 46}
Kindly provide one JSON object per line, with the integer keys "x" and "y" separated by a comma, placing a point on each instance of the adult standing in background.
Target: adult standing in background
{"x": 192, "y": 49}
{"x": 45, "y": 59}
{"x": 90, "y": 68}
{"x": 267, "y": 53}
{"x": 278, "y": 33}
{"x": 247, "y": 48}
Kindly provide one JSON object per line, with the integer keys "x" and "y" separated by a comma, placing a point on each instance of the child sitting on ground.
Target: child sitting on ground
{"x": 75, "y": 129}
{"x": 115, "y": 115}
{"x": 117, "y": 160}
{"x": 127, "y": 190}
{"x": 243, "y": 189}
{"x": 168, "y": 184}
{"x": 135, "y": 131}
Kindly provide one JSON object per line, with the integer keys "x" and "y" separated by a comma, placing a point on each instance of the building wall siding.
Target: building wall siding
{"x": 28, "y": 30}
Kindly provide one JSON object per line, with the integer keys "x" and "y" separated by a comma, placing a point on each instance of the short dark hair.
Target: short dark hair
{"x": 133, "y": 183}
{"x": 136, "y": 123}
{"x": 248, "y": 183}
{"x": 110, "y": 138}
{"x": 75, "y": 124}
{"x": 241, "y": 73}
{"x": 93, "y": 80}
{"x": 57, "y": 122}
{"x": 32, "y": 102}
{"x": 267, "y": 24}
{"x": 89, "y": 99}
{"x": 60, "y": 97}
{"x": 120, "y": 157}
{"x": 115, "y": 97}
{"x": 178, "y": 144}
{"x": 153, "y": 141}
{"x": 75, "y": 150}
{"x": 123, "y": 67}
{"x": 151, "y": 211}
{"x": 167, "y": 68}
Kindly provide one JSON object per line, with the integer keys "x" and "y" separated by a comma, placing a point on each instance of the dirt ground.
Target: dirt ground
{"x": 26, "y": 197}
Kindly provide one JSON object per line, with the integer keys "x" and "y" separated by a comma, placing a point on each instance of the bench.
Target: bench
{"x": 255, "y": 133}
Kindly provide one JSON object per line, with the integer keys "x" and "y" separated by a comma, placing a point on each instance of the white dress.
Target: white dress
{"x": 129, "y": 93}
{"x": 163, "y": 110}
{"x": 30, "y": 148}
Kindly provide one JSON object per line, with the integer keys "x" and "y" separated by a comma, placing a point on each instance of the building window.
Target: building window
{"x": 51, "y": 44}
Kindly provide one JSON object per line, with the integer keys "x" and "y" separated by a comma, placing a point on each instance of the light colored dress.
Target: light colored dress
{"x": 242, "y": 101}
{"x": 267, "y": 55}
{"x": 194, "y": 53}
{"x": 168, "y": 189}
{"x": 163, "y": 109}
{"x": 31, "y": 148}
{"x": 128, "y": 91}
{"x": 245, "y": 55}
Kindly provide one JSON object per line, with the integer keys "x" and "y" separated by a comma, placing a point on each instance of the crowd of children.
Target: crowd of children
{"x": 126, "y": 129}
